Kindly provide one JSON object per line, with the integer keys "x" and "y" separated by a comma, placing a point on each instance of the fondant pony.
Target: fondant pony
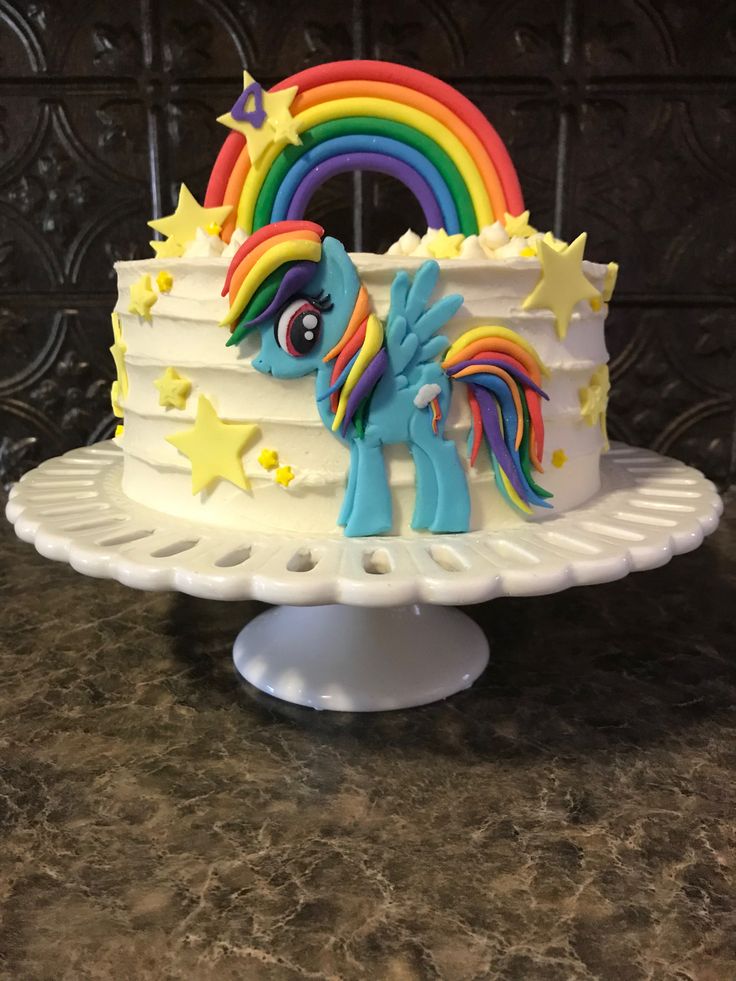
{"x": 378, "y": 386}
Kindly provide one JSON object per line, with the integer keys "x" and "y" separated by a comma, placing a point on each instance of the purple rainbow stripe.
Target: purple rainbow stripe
{"x": 516, "y": 373}
{"x": 294, "y": 279}
{"x": 376, "y": 162}
{"x": 366, "y": 383}
{"x": 316, "y": 156}
{"x": 492, "y": 429}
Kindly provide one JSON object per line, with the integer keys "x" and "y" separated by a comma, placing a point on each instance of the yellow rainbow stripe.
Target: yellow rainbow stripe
{"x": 454, "y": 354}
{"x": 371, "y": 346}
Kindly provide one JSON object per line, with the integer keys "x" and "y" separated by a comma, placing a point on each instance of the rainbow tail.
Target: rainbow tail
{"x": 504, "y": 374}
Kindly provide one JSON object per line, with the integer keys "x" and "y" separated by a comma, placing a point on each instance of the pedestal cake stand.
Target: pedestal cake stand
{"x": 362, "y": 624}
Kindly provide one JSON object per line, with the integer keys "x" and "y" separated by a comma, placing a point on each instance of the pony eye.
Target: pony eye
{"x": 298, "y": 328}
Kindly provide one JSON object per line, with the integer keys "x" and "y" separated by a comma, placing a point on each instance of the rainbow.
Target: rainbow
{"x": 378, "y": 116}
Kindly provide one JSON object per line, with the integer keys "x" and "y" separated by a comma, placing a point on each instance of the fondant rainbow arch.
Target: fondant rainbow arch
{"x": 373, "y": 115}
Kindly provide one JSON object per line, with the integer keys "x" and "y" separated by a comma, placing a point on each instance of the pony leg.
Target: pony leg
{"x": 371, "y": 513}
{"x": 425, "y": 499}
{"x": 452, "y": 513}
{"x": 349, "y": 496}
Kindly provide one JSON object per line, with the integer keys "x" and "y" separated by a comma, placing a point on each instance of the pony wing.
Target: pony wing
{"x": 413, "y": 321}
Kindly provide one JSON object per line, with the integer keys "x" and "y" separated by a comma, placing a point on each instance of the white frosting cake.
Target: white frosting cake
{"x": 183, "y": 334}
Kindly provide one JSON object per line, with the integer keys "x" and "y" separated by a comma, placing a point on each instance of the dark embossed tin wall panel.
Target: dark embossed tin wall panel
{"x": 621, "y": 119}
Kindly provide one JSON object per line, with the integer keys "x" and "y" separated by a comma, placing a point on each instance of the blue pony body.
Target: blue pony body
{"x": 379, "y": 386}
{"x": 411, "y": 346}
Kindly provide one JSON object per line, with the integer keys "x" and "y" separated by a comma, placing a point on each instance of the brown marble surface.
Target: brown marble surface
{"x": 570, "y": 817}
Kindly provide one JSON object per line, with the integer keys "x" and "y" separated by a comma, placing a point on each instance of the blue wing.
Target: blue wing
{"x": 413, "y": 322}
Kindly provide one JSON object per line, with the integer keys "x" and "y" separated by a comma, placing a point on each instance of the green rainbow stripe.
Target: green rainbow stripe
{"x": 365, "y": 125}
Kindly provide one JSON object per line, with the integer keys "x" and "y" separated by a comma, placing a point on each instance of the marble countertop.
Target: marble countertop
{"x": 570, "y": 817}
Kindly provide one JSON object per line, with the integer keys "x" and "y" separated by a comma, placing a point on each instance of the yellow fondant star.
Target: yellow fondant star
{"x": 532, "y": 246}
{"x": 284, "y": 476}
{"x": 168, "y": 249}
{"x": 285, "y": 128}
{"x": 559, "y": 458}
{"x": 119, "y": 388}
{"x": 562, "y": 283}
{"x": 278, "y": 124}
{"x": 609, "y": 283}
{"x": 518, "y": 225}
{"x": 164, "y": 281}
{"x": 142, "y": 297}
{"x": 173, "y": 389}
{"x": 555, "y": 243}
{"x": 444, "y": 246}
{"x": 594, "y": 399}
{"x": 215, "y": 448}
{"x": 117, "y": 409}
{"x": 189, "y": 216}
{"x": 268, "y": 459}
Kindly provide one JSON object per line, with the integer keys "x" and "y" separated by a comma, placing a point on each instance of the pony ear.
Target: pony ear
{"x": 341, "y": 274}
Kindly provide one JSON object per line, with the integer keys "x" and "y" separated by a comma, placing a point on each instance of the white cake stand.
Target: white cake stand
{"x": 362, "y": 624}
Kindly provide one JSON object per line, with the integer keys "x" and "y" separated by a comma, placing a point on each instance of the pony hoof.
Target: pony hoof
{"x": 364, "y": 529}
{"x": 449, "y": 528}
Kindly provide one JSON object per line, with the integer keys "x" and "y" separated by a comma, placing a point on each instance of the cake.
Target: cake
{"x": 269, "y": 379}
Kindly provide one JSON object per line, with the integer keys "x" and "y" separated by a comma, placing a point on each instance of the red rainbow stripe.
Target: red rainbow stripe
{"x": 334, "y": 80}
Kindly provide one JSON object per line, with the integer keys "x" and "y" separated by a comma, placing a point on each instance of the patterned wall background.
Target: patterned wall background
{"x": 621, "y": 119}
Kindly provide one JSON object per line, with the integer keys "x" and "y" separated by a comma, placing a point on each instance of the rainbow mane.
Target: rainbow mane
{"x": 271, "y": 266}
{"x": 372, "y": 115}
{"x": 360, "y": 360}
{"x": 504, "y": 375}
{"x": 274, "y": 264}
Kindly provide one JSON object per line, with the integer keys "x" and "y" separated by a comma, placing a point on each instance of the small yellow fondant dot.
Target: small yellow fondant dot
{"x": 596, "y": 303}
{"x": 284, "y": 476}
{"x": 119, "y": 431}
{"x": 164, "y": 281}
{"x": 213, "y": 228}
{"x": 559, "y": 458}
{"x": 268, "y": 459}
{"x": 528, "y": 252}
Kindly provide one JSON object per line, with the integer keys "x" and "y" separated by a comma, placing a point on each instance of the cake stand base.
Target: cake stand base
{"x": 372, "y": 650}
{"x": 356, "y": 659}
